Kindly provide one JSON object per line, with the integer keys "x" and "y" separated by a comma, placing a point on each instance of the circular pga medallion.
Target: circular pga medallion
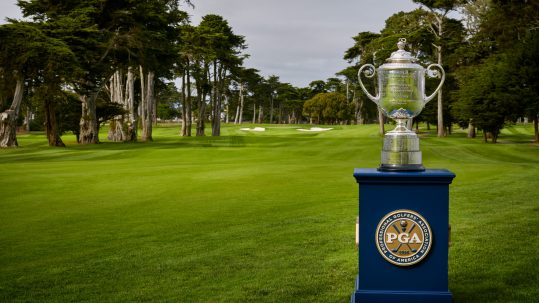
{"x": 403, "y": 237}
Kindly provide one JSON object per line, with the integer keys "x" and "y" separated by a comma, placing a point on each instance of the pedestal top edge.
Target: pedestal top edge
{"x": 372, "y": 174}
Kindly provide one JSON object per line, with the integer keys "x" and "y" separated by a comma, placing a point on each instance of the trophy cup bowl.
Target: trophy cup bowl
{"x": 401, "y": 96}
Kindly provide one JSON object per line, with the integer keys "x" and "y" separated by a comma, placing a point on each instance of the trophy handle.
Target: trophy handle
{"x": 369, "y": 74}
{"x": 435, "y": 73}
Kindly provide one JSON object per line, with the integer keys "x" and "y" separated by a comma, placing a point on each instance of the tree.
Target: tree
{"x": 247, "y": 79}
{"x": 186, "y": 60}
{"x": 439, "y": 10}
{"x": 328, "y": 108}
{"x": 223, "y": 50}
{"x": 361, "y": 53}
{"x": 168, "y": 101}
{"x": 273, "y": 83}
{"x": 526, "y": 73}
{"x": 317, "y": 86}
{"x": 501, "y": 45}
{"x": 363, "y": 109}
{"x": 159, "y": 22}
{"x": 486, "y": 96}
{"x": 75, "y": 24}
{"x": 28, "y": 53}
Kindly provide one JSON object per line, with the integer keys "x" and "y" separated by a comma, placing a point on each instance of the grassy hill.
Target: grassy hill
{"x": 248, "y": 216}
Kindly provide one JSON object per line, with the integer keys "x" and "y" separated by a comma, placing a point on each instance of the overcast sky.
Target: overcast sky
{"x": 297, "y": 40}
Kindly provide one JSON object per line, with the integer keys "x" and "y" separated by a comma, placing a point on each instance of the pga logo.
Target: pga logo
{"x": 403, "y": 237}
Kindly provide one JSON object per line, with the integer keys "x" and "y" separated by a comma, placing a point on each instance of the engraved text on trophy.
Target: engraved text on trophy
{"x": 400, "y": 93}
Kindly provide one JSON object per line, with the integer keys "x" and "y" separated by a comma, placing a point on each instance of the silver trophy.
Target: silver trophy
{"x": 401, "y": 96}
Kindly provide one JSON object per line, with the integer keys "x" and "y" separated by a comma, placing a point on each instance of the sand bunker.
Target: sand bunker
{"x": 314, "y": 129}
{"x": 256, "y": 129}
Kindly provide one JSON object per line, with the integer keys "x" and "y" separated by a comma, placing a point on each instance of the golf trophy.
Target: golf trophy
{"x": 402, "y": 229}
{"x": 401, "y": 96}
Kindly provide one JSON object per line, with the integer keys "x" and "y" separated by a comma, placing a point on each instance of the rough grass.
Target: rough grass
{"x": 265, "y": 217}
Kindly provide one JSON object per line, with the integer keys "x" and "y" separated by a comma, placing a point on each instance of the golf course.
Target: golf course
{"x": 250, "y": 216}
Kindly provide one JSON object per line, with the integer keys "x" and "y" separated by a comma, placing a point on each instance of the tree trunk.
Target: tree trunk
{"x": 189, "y": 104}
{"x": 441, "y": 129}
{"x": 201, "y": 114}
{"x": 271, "y": 110}
{"x": 51, "y": 124}
{"x": 132, "y": 124}
{"x": 227, "y": 108}
{"x": 260, "y": 114}
{"x": 237, "y": 114}
{"x": 28, "y": 119}
{"x": 440, "y": 126}
{"x": 88, "y": 121}
{"x": 142, "y": 112}
{"x": 536, "y": 127}
{"x": 381, "y": 130}
{"x": 280, "y": 113}
{"x": 8, "y": 129}
{"x": 240, "y": 114}
{"x": 183, "y": 131}
{"x": 216, "y": 109}
{"x": 471, "y": 130}
{"x": 147, "y": 108}
{"x": 117, "y": 131}
{"x": 254, "y": 113}
{"x": 495, "y": 135}
{"x": 8, "y": 118}
{"x": 357, "y": 109}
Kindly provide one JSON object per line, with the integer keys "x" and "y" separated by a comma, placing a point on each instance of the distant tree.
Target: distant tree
{"x": 334, "y": 85}
{"x": 168, "y": 101}
{"x": 317, "y": 86}
{"x": 439, "y": 10}
{"x": 361, "y": 52}
{"x": 186, "y": 61}
{"x": 329, "y": 108}
{"x": 284, "y": 93}
{"x": 246, "y": 79}
{"x": 223, "y": 53}
{"x": 273, "y": 84}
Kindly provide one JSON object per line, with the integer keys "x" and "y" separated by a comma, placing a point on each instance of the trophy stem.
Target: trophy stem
{"x": 401, "y": 150}
{"x": 401, "y": 126}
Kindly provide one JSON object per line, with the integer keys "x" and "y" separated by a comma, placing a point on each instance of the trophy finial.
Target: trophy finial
{"x": 401, "y": 55}
{"x": 401, "y": 44}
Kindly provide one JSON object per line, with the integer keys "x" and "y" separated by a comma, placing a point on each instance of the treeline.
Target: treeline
{"x": 79, "y": 64}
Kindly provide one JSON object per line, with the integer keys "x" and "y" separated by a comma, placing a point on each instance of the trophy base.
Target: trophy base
{"x": 401, "y": 152}
{"x": 405, "y": 167}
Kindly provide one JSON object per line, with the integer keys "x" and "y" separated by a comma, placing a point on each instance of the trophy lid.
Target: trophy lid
{"x": 401, "y": 56}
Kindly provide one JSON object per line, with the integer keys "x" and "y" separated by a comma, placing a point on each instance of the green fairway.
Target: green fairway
{"x": 247, "y": 217}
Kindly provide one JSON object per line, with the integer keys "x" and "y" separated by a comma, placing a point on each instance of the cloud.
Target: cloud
{"x": 301, "y": 40}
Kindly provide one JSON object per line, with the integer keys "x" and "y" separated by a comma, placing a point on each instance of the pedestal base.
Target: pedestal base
{"x": 386, "y": 296}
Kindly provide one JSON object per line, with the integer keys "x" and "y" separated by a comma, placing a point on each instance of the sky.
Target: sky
{"x": 298, "y": 40}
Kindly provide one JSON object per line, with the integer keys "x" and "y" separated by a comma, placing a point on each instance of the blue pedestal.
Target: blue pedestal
{"x": 381, "y": 193}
